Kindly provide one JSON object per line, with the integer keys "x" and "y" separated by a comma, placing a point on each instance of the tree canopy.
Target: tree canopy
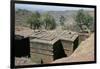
{"x": 83, "y": 20}
{"x": 36, "y": 21}
{"x": 48, "y": 22}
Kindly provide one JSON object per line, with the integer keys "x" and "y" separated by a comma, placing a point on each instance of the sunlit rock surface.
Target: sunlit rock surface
{"x": 84, "y": 52}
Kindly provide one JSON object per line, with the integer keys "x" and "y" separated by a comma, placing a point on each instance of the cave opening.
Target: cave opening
{"x": 22, "y": 46}
{"x": 58, "y": 50}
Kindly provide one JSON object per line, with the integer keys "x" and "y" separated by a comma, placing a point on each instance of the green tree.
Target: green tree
{"x": 34, "y": 21}
{"x": 83, "y": 20}
{"x": 49, "y": 22}
{"x": 62, "y": 20}
{"x": 30, "y": 22}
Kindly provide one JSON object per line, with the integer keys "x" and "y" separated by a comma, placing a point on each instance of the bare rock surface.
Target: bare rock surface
{"x": 85, "y": 52}
{"x": 23, "y": 61}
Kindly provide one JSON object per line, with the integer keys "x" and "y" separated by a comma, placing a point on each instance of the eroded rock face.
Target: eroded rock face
{"x": 47, "y": 46}
{"x": 84, "y": 52}
{"x": 53, "y": 45}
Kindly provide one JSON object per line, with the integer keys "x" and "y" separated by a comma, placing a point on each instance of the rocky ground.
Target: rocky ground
{"x": 85, "y": 52}
{"x": 23, "y": 61}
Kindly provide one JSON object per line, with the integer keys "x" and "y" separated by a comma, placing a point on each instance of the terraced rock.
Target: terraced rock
{"x": 85, "y": 52}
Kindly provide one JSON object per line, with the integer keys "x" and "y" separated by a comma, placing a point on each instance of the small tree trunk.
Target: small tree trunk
{"x": 31, "y": 25}
{"x": 88, "y": 30}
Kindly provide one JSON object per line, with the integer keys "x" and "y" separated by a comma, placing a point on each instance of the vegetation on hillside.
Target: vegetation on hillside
{"x": 34, "y": 21}
{"x": 49, "y": 22}
{"x": 37, "y": 21}
{"x": 84, "y": 21}
{"x": 62, "y": 22}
